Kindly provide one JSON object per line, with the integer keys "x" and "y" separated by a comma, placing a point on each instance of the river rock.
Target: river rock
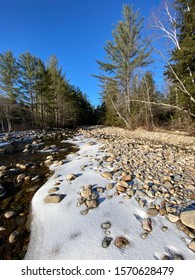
{"x": 147, "y": 225}
{"x": 106, "y": 225}
{"x": 127, "y": 178}
{"x": 121, "y": 242}
{"x": 70, "y": 177}
{"x": 192, "y": 245}
{"x": 53, "y": 198}
{"x": 54, "y": 189}
{"x": 3, "y": 168}
{"x": 173, "y": 218}
{"x": 20, "y": 177}
{"x": 120, "y": 189}
{"x": 188, "y": 218}
{"x": 106, "y": 242}
{"x": 14, "y": 236}
{"x": 152, "y": 212}
{"x": 92, "y": 203}
{"x": 107, "y": 175}
{"x": 86, "y": 193}
{"x": 10, "y": 214}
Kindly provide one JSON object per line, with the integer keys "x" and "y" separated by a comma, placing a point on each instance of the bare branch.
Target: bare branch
{"x": 165, "y": 105}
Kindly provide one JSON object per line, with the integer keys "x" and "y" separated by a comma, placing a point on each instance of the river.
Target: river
{"x": 24, "y": 168}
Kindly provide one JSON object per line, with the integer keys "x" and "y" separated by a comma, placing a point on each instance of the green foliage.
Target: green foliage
{"x": 124, "y": 56}
{"x": 9, "y": 75}
{"x": 39, "y": 96}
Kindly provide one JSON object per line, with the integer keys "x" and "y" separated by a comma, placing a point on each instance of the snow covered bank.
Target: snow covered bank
{"x": 60, "y": 231}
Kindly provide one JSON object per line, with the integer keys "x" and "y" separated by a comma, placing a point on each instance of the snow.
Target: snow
{"x": 60, "y": 231}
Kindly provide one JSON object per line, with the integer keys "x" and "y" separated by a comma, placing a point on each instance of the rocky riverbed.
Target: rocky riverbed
{"x": 123, "y": 195}
{"x": 162, "y": 163}
{"x": 25, "y": 159}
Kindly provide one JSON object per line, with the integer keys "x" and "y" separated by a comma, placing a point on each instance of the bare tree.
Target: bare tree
{"x": 171, "y": 32}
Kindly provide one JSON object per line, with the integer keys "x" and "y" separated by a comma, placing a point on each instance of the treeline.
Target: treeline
{"x": 33, "y": 95}
{"x": 129, "y": 94}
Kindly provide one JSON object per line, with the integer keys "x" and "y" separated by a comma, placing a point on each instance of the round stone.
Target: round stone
{"x": 121, "y": 242}
{"x": 106, "y": 225}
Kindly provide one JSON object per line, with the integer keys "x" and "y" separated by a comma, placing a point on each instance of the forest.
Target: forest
{"x": 36, "y": 95}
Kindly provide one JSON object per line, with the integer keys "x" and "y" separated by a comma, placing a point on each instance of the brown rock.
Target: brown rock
{"x": 107, "y": 175}
{"x": 147, "y": 225}
{"x": 120, "y": 189}
{"x": 52, "y": 190}
{"x": 173, "y": 218}
{"x": 127, "y": 178}
{"x": 192, "y": 245}
{"x": 20, "y": 177}
{"x": 121, "y": 242}
{"x": 152, "y": 212}
{"x": 188, "y": 218}
{"x": 53, "y": 198}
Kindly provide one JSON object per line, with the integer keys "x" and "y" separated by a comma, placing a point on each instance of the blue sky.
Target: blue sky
{"x": 74, "y": 30}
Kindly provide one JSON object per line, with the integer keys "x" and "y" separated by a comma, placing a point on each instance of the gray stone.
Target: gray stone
{"x": 106, "y": 242}
{"x": 106, "y": 225}
{"x": 144, "y": 235}
{"x": 178, "y": 257}
{"x": 164, "y": 228}
{"x": 53, "y": 198}
{"x": 188, "y": 218}
{"x": 92, "y": 203}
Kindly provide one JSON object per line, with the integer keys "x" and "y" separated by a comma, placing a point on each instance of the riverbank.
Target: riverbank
{"x": 123, "y": 195}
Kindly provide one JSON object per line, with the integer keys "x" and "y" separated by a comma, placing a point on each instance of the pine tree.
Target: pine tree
{"x": 9, "y": 85}
{"x": 28, "y": 69}
{"x": 9, "y": 75}
{"x": 125, "y": 55}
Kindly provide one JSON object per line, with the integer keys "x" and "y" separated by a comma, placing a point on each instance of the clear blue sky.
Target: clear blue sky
{"x": 74, "y": 30}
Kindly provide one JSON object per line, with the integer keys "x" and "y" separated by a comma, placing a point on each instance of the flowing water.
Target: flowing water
{"x": 15, "y": 203}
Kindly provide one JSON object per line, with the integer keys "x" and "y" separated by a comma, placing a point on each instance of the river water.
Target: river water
{"x": 15, "y": 202}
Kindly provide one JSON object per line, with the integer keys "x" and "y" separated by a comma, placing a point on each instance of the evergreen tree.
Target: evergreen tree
{"x": 125, "y": 55}
{"x": 28, "y": 69}
{"x": 8, "y": 85}
{"x": 9, "y": 75}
